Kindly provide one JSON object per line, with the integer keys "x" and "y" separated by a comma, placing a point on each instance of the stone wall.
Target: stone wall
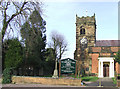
{"x": 48, "y": 81}
{"x": 87, "y": 23}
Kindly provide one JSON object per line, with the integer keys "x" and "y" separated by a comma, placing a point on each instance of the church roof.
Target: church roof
{"x": 107, "y": 43}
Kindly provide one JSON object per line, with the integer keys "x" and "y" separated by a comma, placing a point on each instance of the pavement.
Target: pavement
{"x": 60, "y": 88}
{"x": 105, "y": 82}
{"x": 41, "y": 86}
{"x": 34, "y": 86}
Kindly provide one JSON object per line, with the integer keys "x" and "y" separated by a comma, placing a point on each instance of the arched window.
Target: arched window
{"x": 82, "y": 31}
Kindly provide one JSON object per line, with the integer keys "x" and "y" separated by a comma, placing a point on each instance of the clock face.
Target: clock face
{"x": 83, "y": 41}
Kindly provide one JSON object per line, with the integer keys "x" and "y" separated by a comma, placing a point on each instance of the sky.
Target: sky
{"x": 61, "y": 17}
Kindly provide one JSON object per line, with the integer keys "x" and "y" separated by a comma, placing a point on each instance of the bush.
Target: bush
{"x": 7, "y": 76}
{"x": 114, "y": 80}
{"x": 92, "y": 74}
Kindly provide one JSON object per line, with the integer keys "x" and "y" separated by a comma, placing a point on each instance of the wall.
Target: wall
{"x": 95, "y": 63}
{"x": 96, "y": 52}
{"x": 48, "y": 81}
{"x": 117, "y": 68}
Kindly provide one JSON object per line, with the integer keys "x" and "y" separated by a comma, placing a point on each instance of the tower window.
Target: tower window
{"x": 82, "y": 31}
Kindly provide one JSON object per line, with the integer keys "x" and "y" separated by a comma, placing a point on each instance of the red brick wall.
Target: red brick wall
{"x": 96, "y": 49}
{"x": 117, "y": 68}
{"x": 114, "y": 49}
{"x": 95, "y": 63}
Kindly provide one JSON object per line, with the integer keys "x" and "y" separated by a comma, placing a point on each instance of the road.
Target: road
{"x": 105, "y": 82}
{"x": 60, "y": 88}
{"x": 40, "y": 86}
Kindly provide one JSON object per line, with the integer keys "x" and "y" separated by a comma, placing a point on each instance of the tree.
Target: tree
{"x": 117, "y": 57}
{"x": 33, "y": 35}
{"x": 50, "y": 54}
{"x": 20, "y": 12}
{"x": 13, "y": 53}
{"x": 14, "y": 14}
{"x": 59, "y": 44}
{"x": 49, "y": 61}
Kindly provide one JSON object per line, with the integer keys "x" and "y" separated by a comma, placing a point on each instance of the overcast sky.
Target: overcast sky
{"x": 61, "y": 16}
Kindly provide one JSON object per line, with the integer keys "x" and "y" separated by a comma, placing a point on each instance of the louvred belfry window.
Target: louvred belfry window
{"x": 82, "y": 31}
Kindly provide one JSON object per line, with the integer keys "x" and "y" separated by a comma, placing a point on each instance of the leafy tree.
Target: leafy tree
{"x": 7, "y": 76}
{"x": 49, "y": 61}
{"x": 50, "y": 54}
{"x": 117, "y": 57}
{"x": 33, "y": 35}
{"x": 13, "y": 53}
{"x": 13, "y": 15}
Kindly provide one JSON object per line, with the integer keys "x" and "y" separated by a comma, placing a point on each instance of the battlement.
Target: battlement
{"x": 88, "y": 20}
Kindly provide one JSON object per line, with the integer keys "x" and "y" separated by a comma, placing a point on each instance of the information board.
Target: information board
{"x": 68, "y": 66}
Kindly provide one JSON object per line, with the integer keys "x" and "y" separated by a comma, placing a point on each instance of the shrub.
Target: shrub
{"x": 92, "y": 74}
{"x": 114, "y": 80}
{"x": 7, "y": 76}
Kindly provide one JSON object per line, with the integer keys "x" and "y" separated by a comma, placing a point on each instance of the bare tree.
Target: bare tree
{"x": 58, "y": 43}
{"x": 14, "y": 14}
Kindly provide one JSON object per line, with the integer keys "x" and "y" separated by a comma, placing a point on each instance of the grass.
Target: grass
{"x": 89, "y": 78}
{"x": 114, "y": 80}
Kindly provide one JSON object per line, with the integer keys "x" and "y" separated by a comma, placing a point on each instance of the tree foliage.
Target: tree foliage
{"x": 7, "y": 76}
{"x": 50, "y": 54}
{"x": 13, "y": 53}
{"x": 33, "y": 34}
{"x": 59, "y": 44}
{"x": 13, "y": 14}
{"x": 49, "y": 61}
{"x": 117, "y": 57}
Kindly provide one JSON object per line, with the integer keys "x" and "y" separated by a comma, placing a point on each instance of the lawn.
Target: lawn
{"x": 89, "y": 78}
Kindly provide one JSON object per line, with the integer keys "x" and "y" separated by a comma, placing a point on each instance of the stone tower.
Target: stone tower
{"x": 85, "y": 38}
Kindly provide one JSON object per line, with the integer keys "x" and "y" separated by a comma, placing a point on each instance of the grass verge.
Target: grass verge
{"x": 89, "y": 78}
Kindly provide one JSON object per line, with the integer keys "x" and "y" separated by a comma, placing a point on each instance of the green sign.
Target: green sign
{"x": 68, "y": 65}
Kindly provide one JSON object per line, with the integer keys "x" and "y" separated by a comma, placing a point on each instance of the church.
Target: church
{"x": 92, "y": 55}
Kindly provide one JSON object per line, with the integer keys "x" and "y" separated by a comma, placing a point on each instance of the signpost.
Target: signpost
{"x": 67, "y": 66}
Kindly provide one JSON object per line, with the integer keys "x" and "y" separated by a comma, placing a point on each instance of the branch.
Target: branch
{"x": 5, "y": 16}
{"x": 16, "y": 5}
{"x": 4, "y": 21}
{"x": 21, "y": 9}
{"x": 64, "y": 49}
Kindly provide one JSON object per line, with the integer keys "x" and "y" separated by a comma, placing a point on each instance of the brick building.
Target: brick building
{"x": 94, "y": 56}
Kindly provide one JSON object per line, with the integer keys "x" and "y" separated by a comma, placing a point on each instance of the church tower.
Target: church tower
{"x": 85, "y": 38}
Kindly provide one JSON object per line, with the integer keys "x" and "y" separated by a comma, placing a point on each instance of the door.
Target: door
{"x": 106, "y": 70}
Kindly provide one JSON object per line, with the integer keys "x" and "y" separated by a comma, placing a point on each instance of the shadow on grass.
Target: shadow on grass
{"x": 91, "y": 78}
